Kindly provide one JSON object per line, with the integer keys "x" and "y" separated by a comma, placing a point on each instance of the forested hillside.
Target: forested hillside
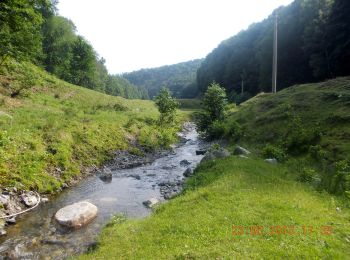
{"x": 313, "y": 45}
{"x": 33, "y": 31}
{"x": 179, "y": 78}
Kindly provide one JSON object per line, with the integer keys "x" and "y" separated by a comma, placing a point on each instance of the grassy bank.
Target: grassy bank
{"x": 300, "y": 117}
{"x": 248, "y": 208}
{"x": 244, "y": 193}
{"x": 50, "y": 131}
{"x": 305, "y": 126}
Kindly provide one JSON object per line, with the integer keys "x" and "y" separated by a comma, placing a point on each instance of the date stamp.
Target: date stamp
{"x": 281, "y": 230}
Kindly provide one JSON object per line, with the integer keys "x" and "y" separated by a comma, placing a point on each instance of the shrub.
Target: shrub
{"x": 270, "y": 151}
{"x": 216, "y": 130}
{"x": 233, "y": 130}
{"x": 309, "y": 175}
{"x": 167, "y": 106}
{"x": 215, "y": 101}
{"x": 298, "y": 139}
{"x": 341, "y": 178}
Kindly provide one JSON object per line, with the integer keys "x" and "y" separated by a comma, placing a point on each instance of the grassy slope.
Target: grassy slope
{"x": 240, "y": 192}
{"x": 251, "y": 192}
{"x": 52, "y": 130}
{"x": 267, "y": 118}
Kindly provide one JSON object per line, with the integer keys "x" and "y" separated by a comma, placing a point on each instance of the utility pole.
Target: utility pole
{"x": 243, "y": 77}
{"x": 274, "y": 62}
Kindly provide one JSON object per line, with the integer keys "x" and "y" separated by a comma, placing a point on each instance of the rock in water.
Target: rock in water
{"x": 77, "y": 214}
{"x": 30, "y": 199}
{"x": 188, "y": 172}
{"x": 184, "y": 163}
{"x": 106, "y": 177}
{"x": 151, "y": 202}
{"x": 201, "y": 152}
{"x": 240, "y": 150}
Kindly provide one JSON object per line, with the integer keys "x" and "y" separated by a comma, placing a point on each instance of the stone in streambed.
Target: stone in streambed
{"x": 76, "y": 215}
{"x": 188, "y": 172}
{"x": 151, "y": 202}
{"x": 201, "y": 152}
{"x": 184, "y": 163}
{"x": 29, "y": 199}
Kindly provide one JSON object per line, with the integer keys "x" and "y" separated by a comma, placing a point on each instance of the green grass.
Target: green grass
{"x": 234, "y": 192}
{"x": 307, "y": 127}
{"x": 51, "y": 131}
{"x": 323, "y": 107}
{"x": 191, "y": 104}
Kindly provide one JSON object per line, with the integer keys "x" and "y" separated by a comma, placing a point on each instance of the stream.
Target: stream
{"x": 38, "y": 236}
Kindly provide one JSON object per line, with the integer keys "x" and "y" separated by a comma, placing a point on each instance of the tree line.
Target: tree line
{"x": 313, "y": 45}
{"x": 179, "y": 78}
{"x": 32, "y": 30}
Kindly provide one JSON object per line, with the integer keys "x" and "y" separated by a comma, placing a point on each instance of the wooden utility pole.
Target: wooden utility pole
{"x": 274, "y": 62}
{"x": 243, "y": 77}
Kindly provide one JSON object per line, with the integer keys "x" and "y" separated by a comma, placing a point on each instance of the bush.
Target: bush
{"x": 270, "y": 151}
{"x": 215, "y": 102}
{"x": 341, "y": 178}
{"x": 309, "y": 175}
{"x": 233, "y": 130}
{"x": 216, "y": 130}
{"x": 299, "y": 140}
{"x": 167, "y": 106}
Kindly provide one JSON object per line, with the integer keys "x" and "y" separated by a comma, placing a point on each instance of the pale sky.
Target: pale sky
{"x": 135, "y": 34}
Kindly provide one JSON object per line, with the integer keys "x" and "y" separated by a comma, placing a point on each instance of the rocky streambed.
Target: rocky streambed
{"x": 127, "y": 185}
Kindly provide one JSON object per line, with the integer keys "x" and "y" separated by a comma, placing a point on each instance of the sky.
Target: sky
{"x": 135, "y": 34}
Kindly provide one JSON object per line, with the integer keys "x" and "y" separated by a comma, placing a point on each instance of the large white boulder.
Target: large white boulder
{"x": 77, "y": 214}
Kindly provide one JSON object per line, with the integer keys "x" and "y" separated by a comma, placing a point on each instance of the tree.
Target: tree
{"x": 58, "y": 39}
{"x": 167, "y": 106}
{"x": 215, "y": 101}
{"x": 210, "y": 121}
{"x": 20, "y": 30}
{"x": 83, "y": 64}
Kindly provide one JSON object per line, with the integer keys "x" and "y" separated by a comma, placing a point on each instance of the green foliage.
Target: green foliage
{"x": 341, "y": 178}
{"x": 179, "y": 78}
{"x": 20, "y": 26}
{"x": 189, "y": 103}
{"x": 210, "y": 121}
{"x": 167, "y": 106}
{"x": 51, "y": 132}
{"x": 271, "y": 151}
{"x": 233, "y": 130}
{"x": 309, "y": 175}
{"x": 214, "y": 102}
{"x": 298, "y": 139}
{"x": 312, "y": 48}
{"x": 215, "y": 130}
{"x": 31, "y": 30}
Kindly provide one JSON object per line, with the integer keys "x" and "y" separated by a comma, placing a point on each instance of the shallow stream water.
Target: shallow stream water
{"x": 37, "y": 235}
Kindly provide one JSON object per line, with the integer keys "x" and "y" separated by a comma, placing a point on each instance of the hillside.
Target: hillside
{"x": 179, "y": 78}
{"x": 248, "y": 208}
{"x": 307, "y": 126}
{"x": 52, "y": 131}
{"x": 312, "y": 46}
